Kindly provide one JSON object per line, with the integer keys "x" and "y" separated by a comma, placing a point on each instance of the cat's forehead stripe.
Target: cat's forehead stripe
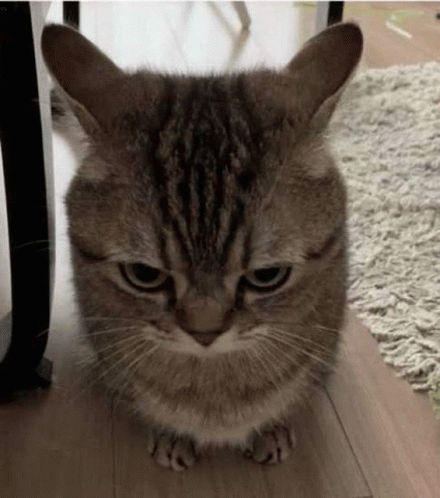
{"x": 209, "y": 163}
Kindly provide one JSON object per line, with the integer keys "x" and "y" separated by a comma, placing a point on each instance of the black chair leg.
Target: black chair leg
{"x": 71, "y": 14}
{"x": 29, "y": 204}
{"x": 335, "y": 12}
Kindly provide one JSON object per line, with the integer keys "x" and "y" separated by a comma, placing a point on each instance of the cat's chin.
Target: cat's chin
{"x": 183, "y": 343}
{"x": 234, "y": 427}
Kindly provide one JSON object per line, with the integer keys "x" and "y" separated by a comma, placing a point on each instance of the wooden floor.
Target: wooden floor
{"x": 367, "y": 435}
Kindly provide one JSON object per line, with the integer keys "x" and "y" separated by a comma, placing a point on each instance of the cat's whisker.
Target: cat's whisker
{"x": 128, "y": 352}
{"x": 125, "y": 342}
{"x": 296, "y": 346}
{"x": 272, "y": 378}
{"x": 110, "y": 331}
{"x": 281, "y": 351}
{"x": 301, "y": 325}
{"x": 100, "y": 318}
{"x": 274, "y": 354}
{"x": 301, "y": 350}
{"x": 321, "y": 327}
{"x": 296, "y": 337}
{"x": 256, "y": 359}
{"x": 124, "y": 373}
{"x": 298, "y": 343}
{"x": 33, "y": 242}
{"x": 261, "y": 361}
{"x": 276, "y": 361}
{"x": 104, "y": 359}
{"x": 43, "y": 332}
{"x": 290, "y": 358}
{"x": 249, "y": 357}
{"x": 292, "y": 338}
{"x": 143, "y": 357}
{"x": 117, "y": 343}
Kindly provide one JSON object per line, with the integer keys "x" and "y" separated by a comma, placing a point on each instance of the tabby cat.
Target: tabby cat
{"x": 207, "y": 225}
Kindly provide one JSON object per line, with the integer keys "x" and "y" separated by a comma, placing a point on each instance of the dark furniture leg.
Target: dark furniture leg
{"x": 71, "y": 14}
{"x": 335, "y": 12}
{"x": 29, "y": 204}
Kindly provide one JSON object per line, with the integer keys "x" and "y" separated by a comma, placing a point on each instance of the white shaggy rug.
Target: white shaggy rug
{"x": 387, "y": 138}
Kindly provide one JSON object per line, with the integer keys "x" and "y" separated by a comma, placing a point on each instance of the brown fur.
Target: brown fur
{"x": 208, "y": 178}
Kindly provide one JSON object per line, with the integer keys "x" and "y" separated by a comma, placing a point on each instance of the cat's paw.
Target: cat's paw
{"x": 272, "y": 445}
{"x": 172, "y": 451}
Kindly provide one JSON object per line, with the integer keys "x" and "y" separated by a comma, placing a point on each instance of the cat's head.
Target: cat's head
{"x": 206, "y": 208}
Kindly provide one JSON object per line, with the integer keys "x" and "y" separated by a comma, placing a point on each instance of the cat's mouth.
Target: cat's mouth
{"x": 205, "y": 338}
{"x": 202, "y": 344}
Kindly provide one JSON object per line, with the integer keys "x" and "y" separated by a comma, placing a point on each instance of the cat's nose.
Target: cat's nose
{"x": 204, "y": 338}
{"x": 203, "y": 318}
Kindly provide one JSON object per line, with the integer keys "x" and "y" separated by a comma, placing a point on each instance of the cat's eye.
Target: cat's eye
{"x": 267, "y": 279}
{"x": 143, "y": 277}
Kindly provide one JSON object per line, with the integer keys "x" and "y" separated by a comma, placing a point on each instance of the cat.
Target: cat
{"x": 207, "y": 222}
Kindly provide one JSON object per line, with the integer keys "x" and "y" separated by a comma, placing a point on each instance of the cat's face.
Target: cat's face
{"x": 208, "y": 219}
{"x": 203, "y": 222}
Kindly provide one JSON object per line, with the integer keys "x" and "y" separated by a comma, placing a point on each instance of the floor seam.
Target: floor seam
{"x": 349, "y": 443}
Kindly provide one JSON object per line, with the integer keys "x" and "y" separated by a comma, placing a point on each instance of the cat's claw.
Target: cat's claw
{"x": 271, "y": 446}
{"x": 171, "y": 451}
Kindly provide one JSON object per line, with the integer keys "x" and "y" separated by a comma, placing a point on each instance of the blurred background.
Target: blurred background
{"x": 201, "y": 36}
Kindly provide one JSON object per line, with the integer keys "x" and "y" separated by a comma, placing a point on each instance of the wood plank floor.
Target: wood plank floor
{"x": 391, "y": 429}
{"x": 367, "y": 435}
{"x": 397, "y": 32}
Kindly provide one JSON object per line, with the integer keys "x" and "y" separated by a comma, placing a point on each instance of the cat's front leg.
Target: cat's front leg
{"x": 271, "y": 445}
{"x": 170, "y": 450}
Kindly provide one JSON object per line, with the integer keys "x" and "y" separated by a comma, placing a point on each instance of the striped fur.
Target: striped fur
{"x": 202, "y": 156}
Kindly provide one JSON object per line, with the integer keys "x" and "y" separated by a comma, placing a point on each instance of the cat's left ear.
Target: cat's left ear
{"x": 308, "y": 89}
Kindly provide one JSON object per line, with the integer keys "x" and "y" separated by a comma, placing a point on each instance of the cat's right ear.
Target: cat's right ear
{"x": 89, "y": 79}
{"x": 308, "y": 89}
